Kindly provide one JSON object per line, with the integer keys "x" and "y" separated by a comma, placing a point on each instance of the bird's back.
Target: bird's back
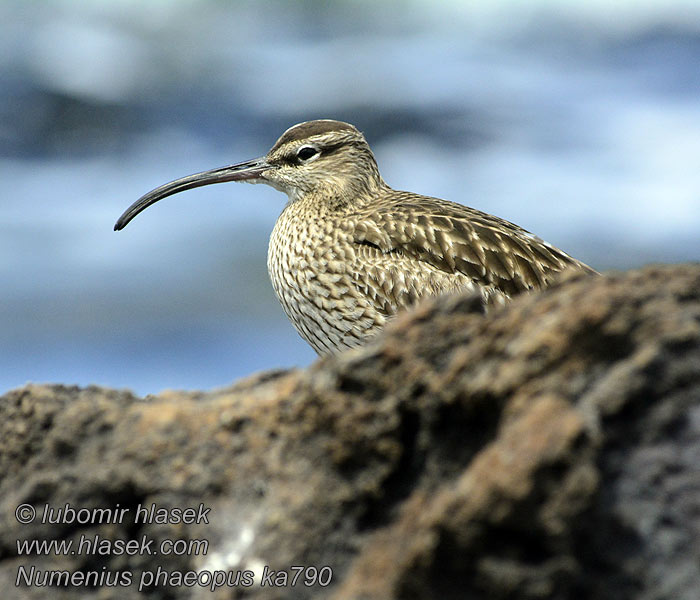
{"x": 492, "y": 252}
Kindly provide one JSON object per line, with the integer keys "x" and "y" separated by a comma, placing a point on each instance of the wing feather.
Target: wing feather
{"x": 490, "y": 253}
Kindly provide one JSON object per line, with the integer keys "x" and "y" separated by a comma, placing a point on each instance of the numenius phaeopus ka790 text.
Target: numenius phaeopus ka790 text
{"x": 348, "y": 252}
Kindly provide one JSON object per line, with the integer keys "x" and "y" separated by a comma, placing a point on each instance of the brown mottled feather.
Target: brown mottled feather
{"x": 497, "y": 255}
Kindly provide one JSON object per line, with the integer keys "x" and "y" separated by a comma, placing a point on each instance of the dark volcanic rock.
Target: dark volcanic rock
{"x": 550, "y": 449}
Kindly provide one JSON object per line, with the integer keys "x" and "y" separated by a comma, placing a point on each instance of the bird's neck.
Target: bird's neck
{"x": 338, "y": 195}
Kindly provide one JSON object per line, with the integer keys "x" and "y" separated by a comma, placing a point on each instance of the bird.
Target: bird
{"x": 348, "y": 252}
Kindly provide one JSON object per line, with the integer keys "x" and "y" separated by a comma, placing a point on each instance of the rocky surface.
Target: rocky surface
{"x": 550, "y": 449}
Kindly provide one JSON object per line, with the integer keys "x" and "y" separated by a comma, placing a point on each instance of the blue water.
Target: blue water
{"x": 580, "y": 123}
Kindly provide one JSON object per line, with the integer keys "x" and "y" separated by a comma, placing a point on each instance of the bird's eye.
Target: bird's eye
{"x": 307, "y": 152}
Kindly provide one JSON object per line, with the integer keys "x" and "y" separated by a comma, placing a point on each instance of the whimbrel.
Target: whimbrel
{"x": 348, "y": 252}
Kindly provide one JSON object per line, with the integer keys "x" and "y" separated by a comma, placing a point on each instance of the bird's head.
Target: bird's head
{"x": 327, "y": 158}
{"x": 323, "y": 160}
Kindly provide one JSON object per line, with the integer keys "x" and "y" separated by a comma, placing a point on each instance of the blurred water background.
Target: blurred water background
{"x": 579, "y": 121}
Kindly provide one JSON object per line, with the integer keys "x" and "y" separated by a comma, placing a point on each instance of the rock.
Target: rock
{"x": 549, "y": 449}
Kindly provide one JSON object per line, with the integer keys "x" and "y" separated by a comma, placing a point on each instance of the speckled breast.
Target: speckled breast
{"x": 311, "y": 265}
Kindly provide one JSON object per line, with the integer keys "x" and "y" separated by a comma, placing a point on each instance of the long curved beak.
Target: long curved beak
{"x": 245, "y": 171}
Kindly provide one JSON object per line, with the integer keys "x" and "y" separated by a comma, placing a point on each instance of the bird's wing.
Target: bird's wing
{"x": 456, "y": 240}
{"x": 394, "y": 280}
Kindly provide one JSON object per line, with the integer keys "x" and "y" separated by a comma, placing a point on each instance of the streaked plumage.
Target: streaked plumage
{"x": 348, "y": 252}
